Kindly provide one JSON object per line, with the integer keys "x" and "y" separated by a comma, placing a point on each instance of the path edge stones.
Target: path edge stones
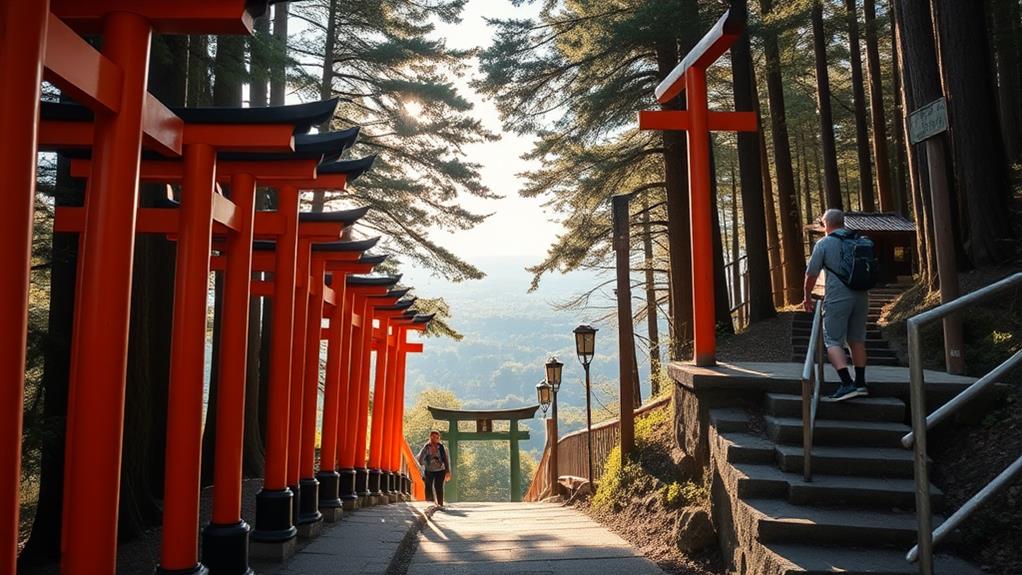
{"x": 402, "y": 558}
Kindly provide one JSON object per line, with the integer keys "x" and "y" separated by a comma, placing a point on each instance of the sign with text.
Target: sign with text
{"x": 928, "y": 121}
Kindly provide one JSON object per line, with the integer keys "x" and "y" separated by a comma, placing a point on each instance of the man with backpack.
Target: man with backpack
{"x": 851, "y": 271}
{"x": 436, "y": 467}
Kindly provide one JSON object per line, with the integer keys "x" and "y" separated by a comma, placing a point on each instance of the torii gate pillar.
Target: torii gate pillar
{"x": 699, "y": 121}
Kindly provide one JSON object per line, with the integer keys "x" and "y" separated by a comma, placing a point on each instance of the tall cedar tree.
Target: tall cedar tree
{"x": 831, "y": 180}
{"x": 393, "y": 80}
{"x": 1006, "y": 31}
{"x": 752, "y": 189}
{"x": 793, "y": 254}
{"x": 597, "y": 65}
{"x": 884, "y": 194}
{"x": 980, "y": 166}
{"x": 859, "y": 102}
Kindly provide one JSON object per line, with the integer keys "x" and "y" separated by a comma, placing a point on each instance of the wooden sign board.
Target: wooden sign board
{"x": 484, "y": 425}
{"x": 928, "y": 121}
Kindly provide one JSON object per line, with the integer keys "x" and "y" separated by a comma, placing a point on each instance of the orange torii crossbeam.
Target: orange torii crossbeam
{"x": 698, "y": 121}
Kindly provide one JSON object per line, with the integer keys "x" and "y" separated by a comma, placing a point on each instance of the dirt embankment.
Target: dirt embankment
{"x": 968, "y": 454}
{"x": 652, "y": 505}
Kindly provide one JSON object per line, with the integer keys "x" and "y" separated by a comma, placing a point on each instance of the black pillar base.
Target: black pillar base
{"x": 274, "y": 516}
{"x": 308, "y": 501}
{"x": 374, "y": 483}
{"x": 329, "y": 489}
{"x": 225, "y": 548}
{"x": 406, "y": 485}
{"x": 348, "y": 494}
{"x": 361, "y": 481}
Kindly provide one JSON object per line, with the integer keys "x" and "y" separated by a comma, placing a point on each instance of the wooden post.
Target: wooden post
{"x": 926, "y": 126}
{"x": 626, "y": 345}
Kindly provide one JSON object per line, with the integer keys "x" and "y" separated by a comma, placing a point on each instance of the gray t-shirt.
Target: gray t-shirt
{"x": 827, "y": 254}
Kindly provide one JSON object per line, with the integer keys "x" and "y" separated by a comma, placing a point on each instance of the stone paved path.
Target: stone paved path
{"x": 363, "y": 543}
{"x": 521, "y": 539}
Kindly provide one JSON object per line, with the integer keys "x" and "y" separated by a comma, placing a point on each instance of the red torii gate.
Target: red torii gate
{"x": 226, "y": 538}
{"x": 699, "y": 121}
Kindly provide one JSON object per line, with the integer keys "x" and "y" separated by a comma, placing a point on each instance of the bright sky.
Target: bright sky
{"x": 518, "y": 226}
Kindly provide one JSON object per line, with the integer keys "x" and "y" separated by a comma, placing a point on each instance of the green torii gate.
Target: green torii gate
{"x": 484, "y": 432}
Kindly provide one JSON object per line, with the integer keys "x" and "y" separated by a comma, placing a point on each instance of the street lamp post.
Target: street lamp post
{"x": 553, "y": 378}
{"x": 585, "y": 347}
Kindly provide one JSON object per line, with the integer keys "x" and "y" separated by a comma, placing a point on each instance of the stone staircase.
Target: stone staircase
{"x": 877, "y": 348}
{"x": 856, "y": 516}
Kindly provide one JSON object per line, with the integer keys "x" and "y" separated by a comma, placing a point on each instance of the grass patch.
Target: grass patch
{"x": 649, "y": 471}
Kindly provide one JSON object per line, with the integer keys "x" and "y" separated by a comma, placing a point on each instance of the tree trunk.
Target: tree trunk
{"x": 807, "y": 191}
{"x": 259, "y": 66}
{"x": 753, "y": 175}
{"x": 911, "y": 155}
{"x": 278, "y": 66}
{"x": 676, "y": 182}
{"x": 228, "y": 71}
{"x": 773, "y": 239}
{"x": 722, "y": 310}
{"x": 1005, "y": 30}
{"x": 793, "y": 256}
{"x": 831, "y": 179}
{"x": 980, "y": 165}
{"x": 199, "y": 92}
{"x": 736, "y": 268}
{"x": 923, "y": 79}
{"x": 876, "y": 109}
{"x": 903, "y": 170}
{"x": 859, "y": 100}
{"x": 652, "y": 328}
{"x": 326, "y": 86}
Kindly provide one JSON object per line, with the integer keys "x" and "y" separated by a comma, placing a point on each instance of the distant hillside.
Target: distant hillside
{"x": 509, "y": 334}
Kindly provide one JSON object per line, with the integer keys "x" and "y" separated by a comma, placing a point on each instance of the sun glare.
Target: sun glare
{"x": 412, "y": 108}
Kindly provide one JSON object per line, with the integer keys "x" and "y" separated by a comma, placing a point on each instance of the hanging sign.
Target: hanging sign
{"x": 928, "y": 121}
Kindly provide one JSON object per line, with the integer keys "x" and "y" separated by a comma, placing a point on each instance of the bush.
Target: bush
{"x": 678, "y": 495}
{"x": 641, "y": 474}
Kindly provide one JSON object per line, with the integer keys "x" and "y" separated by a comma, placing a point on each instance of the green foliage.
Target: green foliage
{"x": 619, "y": 482}
{"x": 483, "y": 467}
{"x": 678, "y": 495}
{"x": 394, "y": 79}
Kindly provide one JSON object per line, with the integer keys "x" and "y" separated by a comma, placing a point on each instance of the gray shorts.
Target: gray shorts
{"x": 845, "y": 320}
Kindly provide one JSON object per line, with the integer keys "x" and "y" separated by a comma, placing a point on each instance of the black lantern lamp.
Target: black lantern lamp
{"x": 544, "y": 392}
{"x": 553, "y": 373}
{"x": 585, "y": 343}
{"x": 585, "y": 347}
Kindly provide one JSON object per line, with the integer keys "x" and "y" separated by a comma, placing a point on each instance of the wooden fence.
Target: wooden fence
{"x": 573, "y": 452}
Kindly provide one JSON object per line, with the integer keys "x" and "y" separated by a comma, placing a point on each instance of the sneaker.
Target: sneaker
{"x": 845, "y": 392}
{"x": 862, "y": 391}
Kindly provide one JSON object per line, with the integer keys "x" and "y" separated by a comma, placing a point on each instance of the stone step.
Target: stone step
{"x": 788, "y": 430}
{"x": 759, "y": 480}
{"x": 729, "y": 419}
{"x": 781, "y": 522}
{"x": 802, "y": 339}
{"x": 858, "y": 461}
{"x": 747, "y": 448}
{"x": 825, "y": 560}
{"x": 873, "y": 350}
{"x": 893, "y": 361}
{"x": 806, "y": 330}
{"x": 859, "y": 409}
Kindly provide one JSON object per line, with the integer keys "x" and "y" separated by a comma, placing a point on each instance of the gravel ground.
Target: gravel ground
{"x": 768, "y": 340}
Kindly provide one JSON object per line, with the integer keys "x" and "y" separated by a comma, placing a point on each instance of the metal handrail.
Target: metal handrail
{"x": 811, "y": 380}
{"x": 928, "y": 537}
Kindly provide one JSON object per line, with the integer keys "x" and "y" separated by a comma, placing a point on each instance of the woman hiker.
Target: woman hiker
{"x": 436, "y": 467}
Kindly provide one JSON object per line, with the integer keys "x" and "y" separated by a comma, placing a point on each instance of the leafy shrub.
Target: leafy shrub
{"x": 678, "y": 495}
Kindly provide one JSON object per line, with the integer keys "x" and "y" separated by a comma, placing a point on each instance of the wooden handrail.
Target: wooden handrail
{"x": 418, "y": 485}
